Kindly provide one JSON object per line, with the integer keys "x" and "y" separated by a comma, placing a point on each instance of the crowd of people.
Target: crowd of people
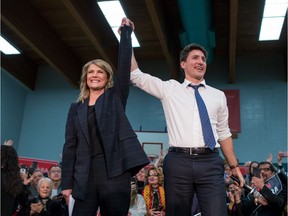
{"x": 264, "y": 192}
{"x": 29, "y": 192}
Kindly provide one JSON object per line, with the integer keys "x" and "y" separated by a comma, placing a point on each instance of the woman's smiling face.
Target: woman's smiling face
{"x": 97, "y": 78}
{"x": 153, "y": 177}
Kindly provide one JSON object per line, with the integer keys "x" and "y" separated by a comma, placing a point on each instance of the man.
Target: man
{"x": 54, "y": 173}
{"x": 272, "y": 196}
{"x": 190, "y": 166}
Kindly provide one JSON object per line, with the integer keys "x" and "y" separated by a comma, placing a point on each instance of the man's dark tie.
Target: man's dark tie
{"x": 205, "y": 121}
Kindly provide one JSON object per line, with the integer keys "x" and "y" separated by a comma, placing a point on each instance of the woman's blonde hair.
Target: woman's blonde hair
{"x": 134, "y": 197}
{"x": 160, "y": 174}
{"x": 84, "y": 90}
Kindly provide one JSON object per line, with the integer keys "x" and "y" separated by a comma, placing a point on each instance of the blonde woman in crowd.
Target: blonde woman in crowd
{"x": 137, "y": 203}
{"x": 153, "y": 192}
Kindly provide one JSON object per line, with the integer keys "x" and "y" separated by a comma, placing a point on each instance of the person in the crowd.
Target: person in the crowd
{"x": 32, "y": 186}
{"x": 101, "y": 150}
{"x": 280, "y": 156}
{"x": 270, "y": 198}
{"x": 29, "y": 190}
{"x": 227, "y": 174}
{"x": 42, "y": 204}
{"x": 141, "y": 180}
{"x": 234, "y": 194}
{"x": 193, "y": 164}
{"x": 246, "y": 166}
{"x": 11, "y": 184}
{"x": 153, "y": 193}
{"x": 253, "y": 165}
{"x": 54, "y": 173}
{"x": 137, "y": 203}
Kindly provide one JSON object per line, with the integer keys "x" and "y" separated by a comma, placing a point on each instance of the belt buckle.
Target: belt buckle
{"x": 191, "y": 151}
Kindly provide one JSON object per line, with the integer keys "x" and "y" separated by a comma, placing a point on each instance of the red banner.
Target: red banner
{"x": 43, "y": 165}
{"x": 233, "y": 103}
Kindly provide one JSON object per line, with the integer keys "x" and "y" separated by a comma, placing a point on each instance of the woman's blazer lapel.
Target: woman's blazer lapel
{"x": 82, "y": 114}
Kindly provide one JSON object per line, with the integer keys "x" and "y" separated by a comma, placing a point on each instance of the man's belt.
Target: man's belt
{"x": 193, "y": 151}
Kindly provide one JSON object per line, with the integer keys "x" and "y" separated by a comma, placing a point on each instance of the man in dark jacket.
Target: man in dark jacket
{"x": 270, "y": 197}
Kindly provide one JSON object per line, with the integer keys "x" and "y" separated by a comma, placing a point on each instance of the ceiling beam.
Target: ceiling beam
{"x": 21, "y": 68}
{"x": 232, "y": 39}
{"x": 90, "y": 18}
{"x": 41, "y": 38}
{"x": 159, "y": 26}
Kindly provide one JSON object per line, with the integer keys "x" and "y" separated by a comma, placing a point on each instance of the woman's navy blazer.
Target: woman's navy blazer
{"x": 122, "y": 150}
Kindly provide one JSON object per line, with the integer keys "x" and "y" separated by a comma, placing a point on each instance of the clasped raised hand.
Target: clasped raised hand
{"x": 125, "y": 21}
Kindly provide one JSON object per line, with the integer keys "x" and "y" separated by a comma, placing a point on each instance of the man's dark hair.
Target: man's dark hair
{"x": 54, "y": 165}
{"x": 272, "y": 168}
{"x": 188, "y": 48}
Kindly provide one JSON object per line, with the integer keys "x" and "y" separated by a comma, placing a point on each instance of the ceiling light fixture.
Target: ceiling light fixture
{"x": 273, "y": 18}
{"x": 113, "y": 13}
{"x": 7, "y": 48}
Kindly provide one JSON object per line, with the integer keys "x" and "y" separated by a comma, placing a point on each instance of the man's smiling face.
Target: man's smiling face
{"x": 195, "y": 66}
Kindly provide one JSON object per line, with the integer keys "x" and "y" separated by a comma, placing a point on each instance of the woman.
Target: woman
{"x": 253, "y": 164}
{"x": 153, "y": 192}
{"x": 11, "y": 184}
{"x": 101, "y": 150}
{"x": 137, "y": 203}
{"x": 42, "y": 204}
{"x": 140, "y": 177}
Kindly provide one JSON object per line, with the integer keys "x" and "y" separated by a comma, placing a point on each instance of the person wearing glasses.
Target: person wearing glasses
{"x": 153, "y": 192}
{"x": 270, "y": 198}
{"x": 54, "y": 173}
